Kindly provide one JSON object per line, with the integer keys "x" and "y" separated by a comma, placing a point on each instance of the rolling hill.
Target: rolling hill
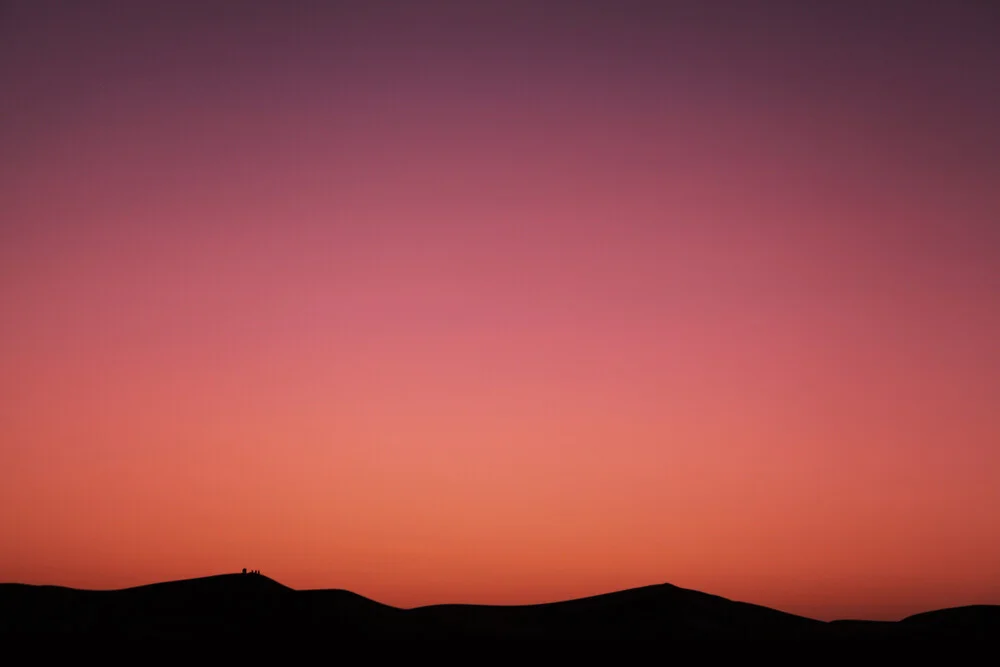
{"x": 237, "y": 605}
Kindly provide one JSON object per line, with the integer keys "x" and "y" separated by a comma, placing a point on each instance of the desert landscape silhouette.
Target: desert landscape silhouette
{"x": 252, "y": 604}
{"x": 432, "y": 318}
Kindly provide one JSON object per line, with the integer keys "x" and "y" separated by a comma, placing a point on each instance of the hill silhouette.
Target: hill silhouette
{"x": 238, "y": 605}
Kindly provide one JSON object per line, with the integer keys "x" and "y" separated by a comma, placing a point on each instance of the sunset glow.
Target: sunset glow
{"x": 476, "y": 302}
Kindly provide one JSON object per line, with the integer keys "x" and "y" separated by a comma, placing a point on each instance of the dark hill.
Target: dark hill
{"x": 662, "y": 611}
{"x": 973, "y": 621}
{"x": 236, "y": 605}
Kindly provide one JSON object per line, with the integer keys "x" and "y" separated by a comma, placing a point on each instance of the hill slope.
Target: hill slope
{"x": 236, "y": 605}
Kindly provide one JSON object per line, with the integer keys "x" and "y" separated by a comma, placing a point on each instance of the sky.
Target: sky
{"x": 504, "y": 302}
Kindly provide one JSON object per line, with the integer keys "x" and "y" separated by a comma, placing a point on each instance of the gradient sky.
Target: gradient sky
{"x": 504, "y": 302}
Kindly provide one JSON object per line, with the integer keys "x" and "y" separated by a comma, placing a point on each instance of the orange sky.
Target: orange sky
{"x": 494, "y": 309}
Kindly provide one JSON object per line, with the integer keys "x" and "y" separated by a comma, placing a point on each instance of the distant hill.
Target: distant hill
{"x": 239, "y": 605}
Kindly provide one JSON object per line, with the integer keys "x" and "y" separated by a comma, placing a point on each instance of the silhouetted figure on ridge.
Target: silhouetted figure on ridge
{"x": 244, "y": 570}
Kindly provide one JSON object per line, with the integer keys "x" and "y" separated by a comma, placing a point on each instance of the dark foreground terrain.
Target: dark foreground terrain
{"x": 254, "y": 605}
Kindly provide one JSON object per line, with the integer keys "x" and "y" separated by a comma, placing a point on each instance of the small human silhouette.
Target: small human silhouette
{"x": 244, "y": 570}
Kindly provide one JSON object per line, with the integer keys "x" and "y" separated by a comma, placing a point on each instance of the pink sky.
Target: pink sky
{"x": 461, "y": 306}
